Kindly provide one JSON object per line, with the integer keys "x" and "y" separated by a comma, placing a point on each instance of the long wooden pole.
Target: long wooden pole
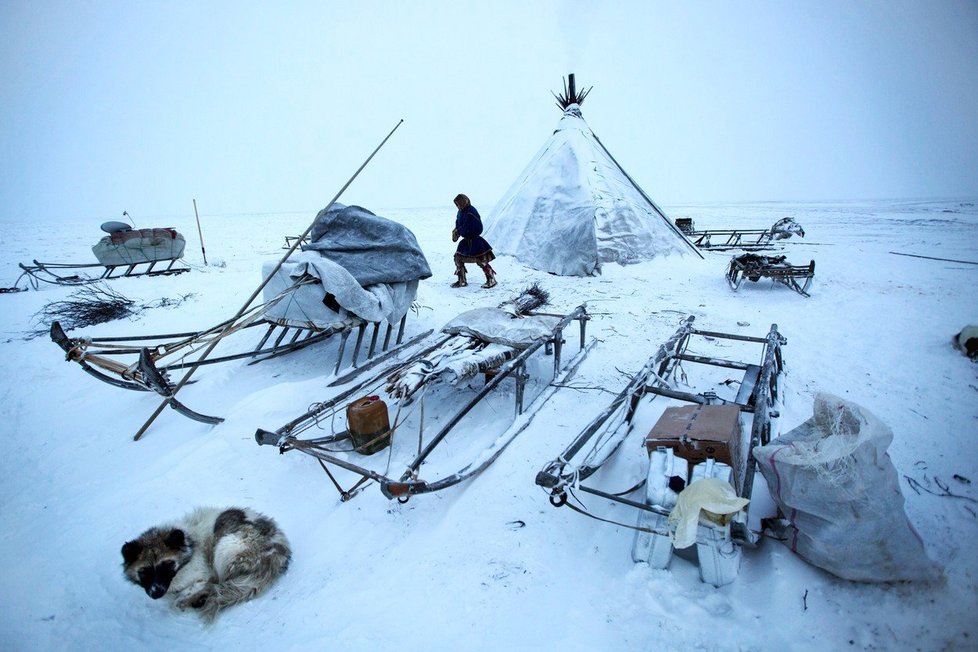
{"x": 207, "y": 351}
{"x": 946, "y": 260}
{"x": 199, "y": 232}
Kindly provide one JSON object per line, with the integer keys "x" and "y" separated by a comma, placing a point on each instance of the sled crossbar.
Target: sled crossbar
{"x": 408, "y": 483}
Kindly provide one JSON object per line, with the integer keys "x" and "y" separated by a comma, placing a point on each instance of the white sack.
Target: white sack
{"x": 836, "y": 485}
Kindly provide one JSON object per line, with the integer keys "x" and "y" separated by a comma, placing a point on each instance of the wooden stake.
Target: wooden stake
{"x": 272, "y": 273}
{"x": 199, "y": 233}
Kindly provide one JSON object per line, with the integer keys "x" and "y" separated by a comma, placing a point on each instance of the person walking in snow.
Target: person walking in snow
{"x": 472, "y": 247}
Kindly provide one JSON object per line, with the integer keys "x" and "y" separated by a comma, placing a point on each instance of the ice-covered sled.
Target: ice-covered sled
{"x": 754, "y": 267}
{"x": 746, "y": 239}
{"x": 432, "y": 391}
{"x": 695, "y": 463}
{"x": 124, "y": 252}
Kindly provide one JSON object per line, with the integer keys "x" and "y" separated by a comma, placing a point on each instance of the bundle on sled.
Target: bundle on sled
{"x": 335, "y": 288}
{"x": 754, "y": 267}
{"x": 746, "y": 239}
{"x": 694, "y": 463}
{"x": 464, "y": 373}
{"x": 124, "y": 252}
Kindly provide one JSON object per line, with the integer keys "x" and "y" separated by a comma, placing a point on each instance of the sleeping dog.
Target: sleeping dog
{"x": 209, "y": 560}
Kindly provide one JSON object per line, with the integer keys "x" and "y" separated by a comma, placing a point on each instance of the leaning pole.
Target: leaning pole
{"x": 190, "y": 372}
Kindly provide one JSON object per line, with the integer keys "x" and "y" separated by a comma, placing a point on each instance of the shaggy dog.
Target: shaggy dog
{"x": 967, "y": 341}
{"x": 211, "y": 559}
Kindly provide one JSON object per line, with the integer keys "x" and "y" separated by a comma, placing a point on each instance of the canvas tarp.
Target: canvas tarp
{"x": 372, "y": 249}
{"x": 370, "y": 266}
{"x": 133, "y": 246}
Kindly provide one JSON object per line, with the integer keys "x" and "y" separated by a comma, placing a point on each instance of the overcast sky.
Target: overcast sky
{"x": 269, "y": 107}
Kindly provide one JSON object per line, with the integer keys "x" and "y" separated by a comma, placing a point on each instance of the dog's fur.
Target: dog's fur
{"x": 211, "y": 559}
{"x": 967, "y": 341}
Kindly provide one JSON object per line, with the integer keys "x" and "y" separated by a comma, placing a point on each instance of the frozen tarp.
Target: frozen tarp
{"x": 309, "y": 305}
{"x": 839, "y": 491}
{"x": 371, "y": 248}
{"x": 367, "y": 266}
{"x": 497, "y": 326}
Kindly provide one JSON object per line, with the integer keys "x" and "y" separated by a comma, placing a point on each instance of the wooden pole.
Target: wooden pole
{"x": 199, "y": 233}
{"x": 946, "y": 260}
{"x": 272, "y": 273}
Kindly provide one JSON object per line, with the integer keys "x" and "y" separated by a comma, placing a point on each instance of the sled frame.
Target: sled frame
{"x": 62, "y": 273}
{"x": 759, "y": 395}
{"x": 797, "y": 277}
{"x": 409, "y": 484}
{"x": 143, "y": 363}
{"x": 723, "y": 239}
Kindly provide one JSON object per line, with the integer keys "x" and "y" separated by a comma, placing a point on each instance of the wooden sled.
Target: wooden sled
{"x": 408, "y": 380}
{"x": 756, "y": 397}
{"x": 755, "y": 267}
{"x": 746, "y": 239}
{"x": 81, "y": 274}
{"x": 144, "y": 363}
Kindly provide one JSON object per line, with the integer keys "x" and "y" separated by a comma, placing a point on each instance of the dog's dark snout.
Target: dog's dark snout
{"x": 156, "y": 591}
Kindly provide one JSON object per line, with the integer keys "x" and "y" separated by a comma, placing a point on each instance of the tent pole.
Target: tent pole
{"x": 272, "y": 273}
{"x": 647, "y": 198}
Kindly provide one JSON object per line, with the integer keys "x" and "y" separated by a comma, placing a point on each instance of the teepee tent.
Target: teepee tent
{"x": 574, "y": 208}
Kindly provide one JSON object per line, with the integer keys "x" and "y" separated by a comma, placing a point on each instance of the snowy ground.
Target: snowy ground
{"x": 455, "y": 569}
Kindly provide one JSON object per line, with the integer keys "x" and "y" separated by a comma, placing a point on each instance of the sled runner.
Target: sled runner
{"x": 124, "y": 252}
{"x": 476, "y": 344}
{"x": 746, "y": 239}
{"x": 711, "y": 439}
{"x": 755, "y": 267}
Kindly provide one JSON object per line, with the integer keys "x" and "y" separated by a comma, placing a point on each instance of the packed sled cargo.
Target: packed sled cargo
{"x": 356, "y": 280}
{"x": 124, "y": 252}
{"x": 574, "y": 208}
{"x": 684, "y": 462}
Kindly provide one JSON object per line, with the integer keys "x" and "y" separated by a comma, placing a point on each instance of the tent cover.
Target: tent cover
{"x": 574, "y": 208}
